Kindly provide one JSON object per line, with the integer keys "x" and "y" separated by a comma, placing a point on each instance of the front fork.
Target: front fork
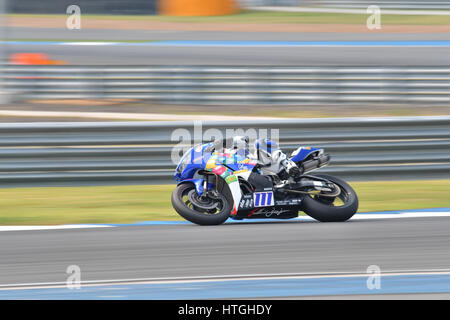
{"x": 231, "y": 180}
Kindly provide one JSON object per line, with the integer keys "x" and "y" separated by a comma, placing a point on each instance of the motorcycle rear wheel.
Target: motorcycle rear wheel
{"x": 324, "y": 210}
{"x": 188, "y": 210}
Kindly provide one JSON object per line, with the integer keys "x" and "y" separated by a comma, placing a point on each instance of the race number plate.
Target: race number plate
{"x": 263, "y": 199}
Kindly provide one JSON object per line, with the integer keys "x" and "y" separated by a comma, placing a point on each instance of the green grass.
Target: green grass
{"x": 124, "y": 204}
{"x": 272, "y": 17}
{"x": 302, "y": 111}
{"x": 402, "y": 195}
{"x": 85, "y": 204}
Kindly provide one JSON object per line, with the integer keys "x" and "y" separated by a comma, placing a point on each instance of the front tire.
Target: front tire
{"x": 190, "y": 212}
{"x": 323, "y": 209}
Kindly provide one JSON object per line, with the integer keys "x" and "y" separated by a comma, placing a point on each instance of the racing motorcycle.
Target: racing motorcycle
{"x": 213, "y": 186}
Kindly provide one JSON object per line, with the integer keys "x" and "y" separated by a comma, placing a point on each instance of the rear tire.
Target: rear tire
{"x": 324, "y": 212}
{"x": 194, "y": 216}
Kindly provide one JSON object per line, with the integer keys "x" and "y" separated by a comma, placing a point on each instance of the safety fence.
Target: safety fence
{"x": 385, "y": 4}
{"x": 209, "y": 85}
{"x": 44, "y": 154}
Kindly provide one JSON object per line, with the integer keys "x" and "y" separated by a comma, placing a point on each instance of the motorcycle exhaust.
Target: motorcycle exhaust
{"x": 319, "y": 162}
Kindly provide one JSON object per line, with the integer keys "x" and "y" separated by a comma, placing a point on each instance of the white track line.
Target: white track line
{"x": 361, "y": 216}
{"x": 354, "y": 11}
{"x": 66, "y": 226}
{"x": 215, "y": 278}
{"x": 369, "y": 216}
{"x": 372, "y": 216}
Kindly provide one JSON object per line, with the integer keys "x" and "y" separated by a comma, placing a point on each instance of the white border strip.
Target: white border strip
{"x": 354, "y": 11}
{"x": 370, "y": 216}
{"x": 215, "y": 278}
{"x": 66, "y": 226}
{"x": 360, "y": 216}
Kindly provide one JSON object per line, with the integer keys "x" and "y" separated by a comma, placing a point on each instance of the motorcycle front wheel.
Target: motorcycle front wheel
{"x": 202, "y": 210}
{"x": 335, "y": 209}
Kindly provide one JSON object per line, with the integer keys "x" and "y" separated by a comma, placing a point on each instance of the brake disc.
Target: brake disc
{"x": 205, "y": 205}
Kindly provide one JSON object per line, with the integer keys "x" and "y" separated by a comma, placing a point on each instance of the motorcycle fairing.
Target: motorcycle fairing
{"x": 246, "y": 202}
{"x": 302, "y": 153}
{"x": 230, "y": 167}
{"x": 197, "y": 182}
{"x": 278, "y": 212}
{"x": 263, "y": 199}
{"x": 227, "y": 166}
{"x": 193, "y": 160}
{"x": 275, "y": 213}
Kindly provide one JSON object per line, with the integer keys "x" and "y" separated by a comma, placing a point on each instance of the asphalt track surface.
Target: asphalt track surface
{"x": 142, "y": 252}
{"x": 84, "y": 55}
{"x": 345, "y": 54}
{"x": 148, "y": 35}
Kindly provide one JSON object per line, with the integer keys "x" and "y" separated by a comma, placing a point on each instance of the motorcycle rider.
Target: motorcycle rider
{"x": 273, "y": 160}
{"x": 266, "y": 153}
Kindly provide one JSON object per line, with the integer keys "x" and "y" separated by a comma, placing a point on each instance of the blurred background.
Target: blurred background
{"x": 314, "y": 58}
{"x": 115, "y": 64}
{"x": 91, "y": 92}
{"x": 122, "y": 65}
